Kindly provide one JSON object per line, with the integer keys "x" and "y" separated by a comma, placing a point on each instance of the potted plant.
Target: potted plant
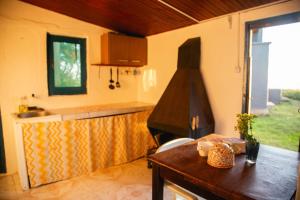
{"x": 244, "y": 127}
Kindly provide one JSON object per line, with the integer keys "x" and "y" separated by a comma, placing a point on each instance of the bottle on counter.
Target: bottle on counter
{"x": 23, "y": 107}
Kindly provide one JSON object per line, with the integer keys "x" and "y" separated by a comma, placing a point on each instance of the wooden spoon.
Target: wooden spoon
{"x": 118, "y": 85}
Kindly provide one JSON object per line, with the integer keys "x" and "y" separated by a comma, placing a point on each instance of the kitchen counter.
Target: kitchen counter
{"x": 88, "y": 112}
{"x": 26, "y": 130}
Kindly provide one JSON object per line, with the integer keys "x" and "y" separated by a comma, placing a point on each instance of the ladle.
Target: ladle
{"x": 111, "y": 81}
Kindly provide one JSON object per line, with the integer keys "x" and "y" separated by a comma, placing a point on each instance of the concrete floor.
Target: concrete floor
{"x": 131, "y": 181}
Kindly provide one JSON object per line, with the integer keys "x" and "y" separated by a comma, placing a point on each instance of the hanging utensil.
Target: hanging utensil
{"x": 111, "y": 81}
{"x": 118, "y": 85}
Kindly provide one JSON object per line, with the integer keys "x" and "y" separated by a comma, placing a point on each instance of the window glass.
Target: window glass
{"x": 66, "y": 65}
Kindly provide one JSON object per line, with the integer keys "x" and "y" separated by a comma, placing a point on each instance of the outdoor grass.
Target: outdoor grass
{"x": 292, "y": 94}
{"x": 281, "y": 127}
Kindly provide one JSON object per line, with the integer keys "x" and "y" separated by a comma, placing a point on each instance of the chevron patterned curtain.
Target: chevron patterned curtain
{"x": 60, "y": 150}
{"x": 56, "y": 150}
{"x": 119, "y": 139}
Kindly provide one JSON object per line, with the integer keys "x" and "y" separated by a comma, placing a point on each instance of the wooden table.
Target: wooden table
{"x": 274, "y": 176}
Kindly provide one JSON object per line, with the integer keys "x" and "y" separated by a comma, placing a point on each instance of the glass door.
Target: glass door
{"x": 273, "y": 83}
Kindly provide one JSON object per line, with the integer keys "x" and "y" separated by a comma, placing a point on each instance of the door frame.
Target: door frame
{"x": 261, "y": 23}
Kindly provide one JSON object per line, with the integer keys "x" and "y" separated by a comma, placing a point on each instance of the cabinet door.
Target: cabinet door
{"x": 137, "y": 53}
{"x": 118, "y": 49}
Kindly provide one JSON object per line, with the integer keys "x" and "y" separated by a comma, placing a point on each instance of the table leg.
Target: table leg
{"x": 157, "y": 183}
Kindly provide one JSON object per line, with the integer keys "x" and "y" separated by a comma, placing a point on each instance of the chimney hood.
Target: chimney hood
{"x": 184, "y": 110}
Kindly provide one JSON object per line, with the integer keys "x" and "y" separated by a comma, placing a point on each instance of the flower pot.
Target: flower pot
{"x": 251, "y": 152}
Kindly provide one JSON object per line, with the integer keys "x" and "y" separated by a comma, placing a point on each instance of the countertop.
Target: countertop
{"x": 88, "y": 112}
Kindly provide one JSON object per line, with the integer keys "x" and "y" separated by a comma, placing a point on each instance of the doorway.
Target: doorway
{"x": 272, "y": 86}
{"x": 2, "y": 152}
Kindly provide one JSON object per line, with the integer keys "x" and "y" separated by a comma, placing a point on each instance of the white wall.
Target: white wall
{"x": 23, "y": 68}
{"x": 222, "y": 60}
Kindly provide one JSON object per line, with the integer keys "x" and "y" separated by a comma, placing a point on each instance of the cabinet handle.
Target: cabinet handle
{"x": 122, "y": 60}
{"x": 136, "y": 61}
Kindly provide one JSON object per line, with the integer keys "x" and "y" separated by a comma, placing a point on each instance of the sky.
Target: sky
{"x": 284, "y": 55}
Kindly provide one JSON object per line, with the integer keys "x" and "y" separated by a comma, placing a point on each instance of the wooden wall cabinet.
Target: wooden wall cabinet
{"x": 122, "y": 50}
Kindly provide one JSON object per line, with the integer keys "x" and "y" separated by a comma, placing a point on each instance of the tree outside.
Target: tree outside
{"x": 67, "y": 70}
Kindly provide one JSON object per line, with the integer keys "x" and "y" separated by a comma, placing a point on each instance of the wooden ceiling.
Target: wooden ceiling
{"x": 144, "y": 17}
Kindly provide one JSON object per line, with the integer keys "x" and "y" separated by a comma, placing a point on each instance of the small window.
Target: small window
{"x": 66, "y": 65}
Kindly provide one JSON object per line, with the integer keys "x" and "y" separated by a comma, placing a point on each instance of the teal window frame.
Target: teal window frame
{"x": 52, "y": 89}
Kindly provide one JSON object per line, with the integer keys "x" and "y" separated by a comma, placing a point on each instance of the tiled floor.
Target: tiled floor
{"x": 131, "y": 181}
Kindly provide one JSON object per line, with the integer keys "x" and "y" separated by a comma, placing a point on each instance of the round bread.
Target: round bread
{"x": 203, "y": 148}
{"x": 221, "y": 155}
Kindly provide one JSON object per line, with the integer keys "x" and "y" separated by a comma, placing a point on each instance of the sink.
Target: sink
{"x": 33, "y": 113}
